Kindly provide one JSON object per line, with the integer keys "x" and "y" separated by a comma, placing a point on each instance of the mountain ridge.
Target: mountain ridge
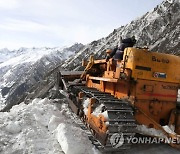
{"x": 158, "y": 29}
{"x": 20, "y": 73}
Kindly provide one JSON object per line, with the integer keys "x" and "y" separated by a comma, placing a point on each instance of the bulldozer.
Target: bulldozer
{"x": 122, "y": 96}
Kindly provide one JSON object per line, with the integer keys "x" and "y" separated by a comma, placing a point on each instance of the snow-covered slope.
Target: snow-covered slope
{"x": 159, "y": 29}
{"x": 49, "y": 127}
{"x": 40, "y": 128}
{"x": 21, "y": 69}
{"x": 6, "y": 54}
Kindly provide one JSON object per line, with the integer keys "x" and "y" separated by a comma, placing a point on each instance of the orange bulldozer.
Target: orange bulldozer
{"x": 139, "y": 94}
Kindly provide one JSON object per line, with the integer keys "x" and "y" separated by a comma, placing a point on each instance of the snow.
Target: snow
{"x": 169, "y": 129}
{"x": 24, "y": 128}
{"x": 40, "y": 127}
{"x": 29, "y": 55}
{"x": 157, "y": 43}
{"x": 8, "y": 73}
{"x": 142, "y": 129}
{"x": 105, "y": 114}
{"x": 73, "y": 143}
{"x": 2, "y": 100}
{"x": 13, "y": 127}
{"x": 85, "y": 105}
{"x": 63, "y": 93}
{"x": 54, "y": 122}
{"x": 5, "y": 55}
{"x": 25, "y": 67}
{"x": 99, "y": 111}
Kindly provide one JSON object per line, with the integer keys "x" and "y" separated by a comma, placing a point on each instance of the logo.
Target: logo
{"x": 159, "y": 75}
{"x": 160, "y": 60}
{"x": 117, "y": 140}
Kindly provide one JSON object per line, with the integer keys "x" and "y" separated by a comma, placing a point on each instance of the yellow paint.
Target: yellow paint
{"x": 157, "y": 62}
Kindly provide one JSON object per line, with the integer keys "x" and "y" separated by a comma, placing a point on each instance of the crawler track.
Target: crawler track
{"x": 121, "y": 118}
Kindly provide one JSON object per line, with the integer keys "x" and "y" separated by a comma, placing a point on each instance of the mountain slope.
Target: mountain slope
{"x": 23, "y": 69}
{"x": 157, "y": 29}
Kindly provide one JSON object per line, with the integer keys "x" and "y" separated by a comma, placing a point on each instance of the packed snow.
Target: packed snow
{"x": 74, "y": 143}
{"x": 85, "y": 105}
{"x": 169, "y": 129}
{"x": 142, "y": 129}
{"x": 42, "y": 127}
{"x": 99, "y": 110}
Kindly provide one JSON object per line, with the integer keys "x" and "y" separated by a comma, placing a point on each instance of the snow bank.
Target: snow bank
{"x": 25, "y": 129}
{"x": 71, "y": 137}
{"x": 73, "y": 143}
{"x": 41, "y": 128}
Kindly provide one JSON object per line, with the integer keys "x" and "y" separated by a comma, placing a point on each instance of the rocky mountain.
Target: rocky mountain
{"x": 21, "y": 70}
{"x": 159, "y": 29}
